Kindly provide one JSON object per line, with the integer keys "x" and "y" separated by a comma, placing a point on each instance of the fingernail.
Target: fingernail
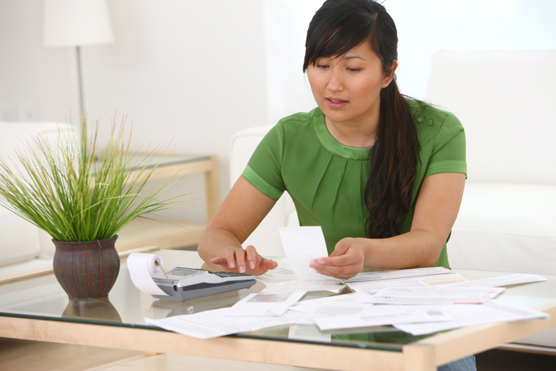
{"x": 241, "y": 269}
{"x": 322, "y": 262}
{"x": 252, "y": 265}
{"x": 314, "y": 265}
{"x": 231, "y": 265}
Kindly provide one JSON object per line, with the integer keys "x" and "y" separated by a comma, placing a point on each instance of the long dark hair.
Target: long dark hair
{"x": 337, "y": 27}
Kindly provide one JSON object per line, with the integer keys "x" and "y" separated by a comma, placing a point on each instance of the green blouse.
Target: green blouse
{"x": 326, "y": 179}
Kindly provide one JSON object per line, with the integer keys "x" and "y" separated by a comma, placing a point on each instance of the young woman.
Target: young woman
{"x": 382, "y": 175}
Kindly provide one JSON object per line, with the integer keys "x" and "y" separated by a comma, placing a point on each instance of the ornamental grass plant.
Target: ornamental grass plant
{"x": 80, "y": 190}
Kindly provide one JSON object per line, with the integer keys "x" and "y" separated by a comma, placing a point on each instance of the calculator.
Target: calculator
{"x": 189, "y": 283}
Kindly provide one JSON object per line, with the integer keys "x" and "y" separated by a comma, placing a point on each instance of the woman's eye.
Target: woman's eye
{"x": 354, "y": 69}
{"x": 322, "y": 66}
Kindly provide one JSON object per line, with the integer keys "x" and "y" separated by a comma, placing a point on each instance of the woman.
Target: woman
{"x": 382, "y": 175}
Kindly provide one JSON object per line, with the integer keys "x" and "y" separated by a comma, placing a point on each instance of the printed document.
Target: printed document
{"x": 264, "y": 305}
{"x": 384, "y": 315}
{"x": 435, "y": 295}
{"x": 401, "y": 273}
{"x": 469, "y": 315}
{"x": 327, "y": 284}
{"x": 512, "y": 279}
{"x": 372, "y": 287}
{"x": 214, "y": 323}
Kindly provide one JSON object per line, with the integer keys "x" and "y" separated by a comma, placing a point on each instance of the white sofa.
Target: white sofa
{"x": 507, "y": 220}
{"x": 24, "y": 247}
{"x": 505, "y": 101}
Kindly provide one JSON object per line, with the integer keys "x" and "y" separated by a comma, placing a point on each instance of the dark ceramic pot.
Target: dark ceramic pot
{"x": 86, "y": 270}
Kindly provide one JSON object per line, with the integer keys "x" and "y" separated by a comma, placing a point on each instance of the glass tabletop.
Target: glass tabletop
{"x": 43, "y": 298}
{"x": 140, "y": 160}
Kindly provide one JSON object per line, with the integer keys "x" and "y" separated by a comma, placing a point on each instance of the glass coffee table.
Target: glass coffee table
{"x": 38, "y": 309}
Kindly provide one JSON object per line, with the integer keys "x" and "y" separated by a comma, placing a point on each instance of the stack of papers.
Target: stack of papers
{"x": 418, "y": 301}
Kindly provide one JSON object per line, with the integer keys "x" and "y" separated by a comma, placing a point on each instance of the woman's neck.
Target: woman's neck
{"x": 357, "y": 134}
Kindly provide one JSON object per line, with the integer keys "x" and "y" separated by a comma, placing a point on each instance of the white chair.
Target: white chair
{"x": 266, "y": 237}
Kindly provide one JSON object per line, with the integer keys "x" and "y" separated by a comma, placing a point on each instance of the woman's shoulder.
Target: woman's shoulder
{"x": 431, "y": 121}
{"x": 301, "y": 119}
{"x": 298, "y": 124}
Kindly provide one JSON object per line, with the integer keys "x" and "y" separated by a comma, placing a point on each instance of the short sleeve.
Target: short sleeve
{"x": 449, "y": 149}
{"x": 264, "y": 169}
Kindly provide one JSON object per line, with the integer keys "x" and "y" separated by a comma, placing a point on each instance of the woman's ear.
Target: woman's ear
{"x": 389, "y": 76}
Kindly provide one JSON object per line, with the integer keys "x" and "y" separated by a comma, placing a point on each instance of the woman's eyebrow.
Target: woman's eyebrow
{"x": 354, "y": 57}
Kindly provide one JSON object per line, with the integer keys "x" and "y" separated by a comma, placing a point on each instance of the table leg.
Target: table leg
{"x": 212, "y": 189}
{"x": 418, "y": 357}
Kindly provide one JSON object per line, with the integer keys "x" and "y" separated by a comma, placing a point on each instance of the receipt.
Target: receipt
{"x": 302, "y": 245}
{"x": 140, "y": 267}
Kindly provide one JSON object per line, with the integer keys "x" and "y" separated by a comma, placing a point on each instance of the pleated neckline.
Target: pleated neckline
{"x": 332, "y": 145}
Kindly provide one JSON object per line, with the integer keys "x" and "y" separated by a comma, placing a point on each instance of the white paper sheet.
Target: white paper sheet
{"x": 512, "y": 279}
{"x": 140, "y": 267}
{"x": 345, "y": 300}
{"x": 468, "y": 315}
{"x": 372, "y": 287}
{"x": 332, "y": 306}
{"x": 302, "y": 245}
{"x": 264, "y": 305}
{"x": 383, "y": 315}
{"x": 308, "y": 332}
{"x": 328, "y": 284}
{"x": 279, "y": 274}
{"x": 443, "y": 279}
{"x": 401, "y": 273}
{"x": 214, "y": 323}
{"x": 435, "y": 295}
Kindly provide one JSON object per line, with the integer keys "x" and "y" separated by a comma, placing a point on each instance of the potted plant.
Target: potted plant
{"x": 83, "y": 195}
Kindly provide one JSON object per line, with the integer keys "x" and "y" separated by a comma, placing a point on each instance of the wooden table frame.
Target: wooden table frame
{"x": 423, "y": 355}
{"x": 168, "y": 236}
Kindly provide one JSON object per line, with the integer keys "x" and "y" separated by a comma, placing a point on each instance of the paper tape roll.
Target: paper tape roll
{"x": 140, "y": 267}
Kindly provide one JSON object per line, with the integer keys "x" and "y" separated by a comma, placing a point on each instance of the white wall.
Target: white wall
{"x": 198, "y": 71}
{"x": 183, "y": 71}
{"x": 31, "y": 75}
{"x": 424, "y": 27}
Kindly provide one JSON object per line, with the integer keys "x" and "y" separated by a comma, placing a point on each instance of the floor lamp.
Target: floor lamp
{"x": 76, "y": 23}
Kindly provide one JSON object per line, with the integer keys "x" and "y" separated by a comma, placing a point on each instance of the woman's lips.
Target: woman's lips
{"x": 336, "y": 103}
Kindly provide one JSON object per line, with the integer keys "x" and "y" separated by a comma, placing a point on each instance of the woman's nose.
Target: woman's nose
{"x": 335, "y": 82}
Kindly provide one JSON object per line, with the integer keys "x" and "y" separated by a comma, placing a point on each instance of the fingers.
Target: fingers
{"x": 346, "y": 260}
{"x": 219, "y": 261}
{"x": 269, "y": 264}
{"x": 343, "y": 272}
{"x": 342, "y": 247}
{"x": 252, "y": 256}
{"x": 247, "y": 260}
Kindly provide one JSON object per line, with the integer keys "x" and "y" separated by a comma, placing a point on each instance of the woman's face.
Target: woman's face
{"x": 347, "y": 88}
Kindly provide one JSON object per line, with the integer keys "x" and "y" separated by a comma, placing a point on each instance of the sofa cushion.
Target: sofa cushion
{"x": 16, "y": 231}
{"x": 20, "y": 239}
{"x": 505, "y": 227}
{"x": 505, "y": 101}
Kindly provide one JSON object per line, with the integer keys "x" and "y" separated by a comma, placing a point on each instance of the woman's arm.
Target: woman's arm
{"x": 241, "y": 212}
{"x": 435, "y": 213}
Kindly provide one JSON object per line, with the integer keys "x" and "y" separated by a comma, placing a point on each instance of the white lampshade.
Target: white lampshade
{"x": 76, "y": 23}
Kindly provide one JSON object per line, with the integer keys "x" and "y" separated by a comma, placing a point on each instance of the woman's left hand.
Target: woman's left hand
{"x": 346, "y": 261}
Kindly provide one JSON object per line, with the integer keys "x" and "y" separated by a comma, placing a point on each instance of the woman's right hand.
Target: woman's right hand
{"x": 244, "y": 261}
